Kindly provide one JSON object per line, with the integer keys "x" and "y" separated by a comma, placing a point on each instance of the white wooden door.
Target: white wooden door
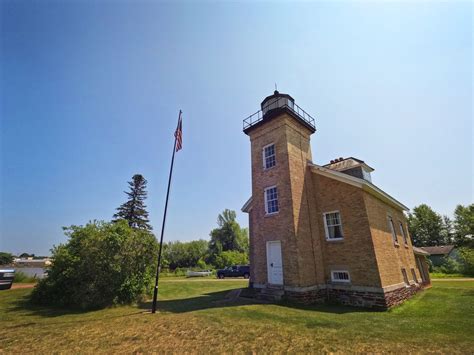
{"x": 274, "y": 263}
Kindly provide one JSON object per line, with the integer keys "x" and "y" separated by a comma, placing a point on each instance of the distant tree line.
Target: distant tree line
{"x": 429, "y": 228}
{"x": 228, "y": 246}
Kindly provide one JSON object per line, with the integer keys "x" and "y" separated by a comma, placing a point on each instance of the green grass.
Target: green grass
{"x": 193, "y": 318}
{"x": 440, "y": 275}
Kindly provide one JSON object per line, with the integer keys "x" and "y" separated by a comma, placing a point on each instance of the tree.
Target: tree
{"x": 184, "y": 254}
{"x": 425, "y": 226}
{"x": 228, "y": 237}
{"x": 464, "y": 225}
{"x": 447, "y": 231}
{"x": 229, "y": 258}
{"x": 101, "y": 264}
{"x": 6, "y": 258}
{"x": 134, "y": 210}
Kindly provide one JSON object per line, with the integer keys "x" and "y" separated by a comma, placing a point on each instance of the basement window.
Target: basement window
{"x": 333, "y": 225}
{"x": 340, "y": 276}
{"x": 391, "y": 226}
{"x": 271, "y": 200}
{"x": 405, "y": 277}
{"x": 414, "y": 275}
{"x": 269, "y": 156}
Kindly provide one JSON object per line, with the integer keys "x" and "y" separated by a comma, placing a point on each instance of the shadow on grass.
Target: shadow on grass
{"x": 202, "y": 302}
{"x": 24, "y": 304}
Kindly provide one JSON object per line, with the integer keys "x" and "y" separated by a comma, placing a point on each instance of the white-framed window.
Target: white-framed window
{"x": 340, "y": 276}
{"x": 405, "y": 277}
{"x": 271, "y": 200}
{"x": 269, "y": 158}
{"x": 333, "y": 225}
{"x": 402, "y": 232}
{"x": 391, "y": 227}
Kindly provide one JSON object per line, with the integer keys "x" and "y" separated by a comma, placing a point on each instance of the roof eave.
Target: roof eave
{"x": 360, "y": 183}
{"x": 247, "y": 206}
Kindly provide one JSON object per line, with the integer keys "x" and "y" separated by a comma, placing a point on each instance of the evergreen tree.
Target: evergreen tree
{"x": 133, "y": 211}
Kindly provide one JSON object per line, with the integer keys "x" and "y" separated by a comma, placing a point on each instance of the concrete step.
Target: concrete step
{"x": 271, "y": 294}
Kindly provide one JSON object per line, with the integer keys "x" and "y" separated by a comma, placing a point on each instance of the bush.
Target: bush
{"x": 5, "y": 258}
{"x": 102, "y": 264}
{"x": 466, "y": 256}
{"x": 21, "y": 277}
{"x": 449, "y": 266}
{"x": 228, "y": 258}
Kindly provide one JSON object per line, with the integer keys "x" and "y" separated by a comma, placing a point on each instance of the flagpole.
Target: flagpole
{"x": 158, "y": 267}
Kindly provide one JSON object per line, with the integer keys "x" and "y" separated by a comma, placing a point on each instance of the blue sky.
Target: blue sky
{"x": 90, "y": 92}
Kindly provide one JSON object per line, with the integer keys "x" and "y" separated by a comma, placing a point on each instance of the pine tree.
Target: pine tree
{"x": 134, "y": 210}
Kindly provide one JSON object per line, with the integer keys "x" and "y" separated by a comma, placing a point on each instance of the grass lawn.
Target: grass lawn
{"x": 439, "y": 275}
{"x": 440, "y": 319}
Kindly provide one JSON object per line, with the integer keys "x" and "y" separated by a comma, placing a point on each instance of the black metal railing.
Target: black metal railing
{"x": 281, "y": 102}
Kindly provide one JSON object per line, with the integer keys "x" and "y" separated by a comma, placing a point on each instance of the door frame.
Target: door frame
{"x": 268, "y": 262}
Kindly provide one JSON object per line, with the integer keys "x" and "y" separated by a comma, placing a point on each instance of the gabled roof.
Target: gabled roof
{"x": 439, "y": 250}
{"x": 361, "y": 183}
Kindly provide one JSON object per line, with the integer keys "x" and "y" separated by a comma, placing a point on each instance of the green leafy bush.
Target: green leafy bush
{"x": 102, "y": 264}
{"x": 228, "y": 258}
{"x": 466, "y": 256}
{"x": 5, "y": 258}
{"x": 449, "y": 266}
{"x": 21, "y": 277}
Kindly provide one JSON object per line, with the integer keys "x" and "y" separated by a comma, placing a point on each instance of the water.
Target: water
{"x": 31, "y": 271}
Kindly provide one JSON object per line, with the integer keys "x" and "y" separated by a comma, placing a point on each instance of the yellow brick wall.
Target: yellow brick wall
{"x": 390, "y": 258}
{"x": 355, "y": 252}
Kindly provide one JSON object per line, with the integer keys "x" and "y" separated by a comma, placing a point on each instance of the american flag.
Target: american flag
{"x": 179, "y": 133}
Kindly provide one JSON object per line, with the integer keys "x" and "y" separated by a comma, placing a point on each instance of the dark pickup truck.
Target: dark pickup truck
{"x": 234, "y": 271}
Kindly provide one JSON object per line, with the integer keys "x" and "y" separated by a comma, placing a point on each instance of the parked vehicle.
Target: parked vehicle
{"x": 191, "y": 273}
{"x": 234, "y": 271}
{"x": 6, "y": 278}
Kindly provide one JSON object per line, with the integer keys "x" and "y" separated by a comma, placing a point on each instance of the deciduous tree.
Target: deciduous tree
{"x": 425, "y": 226}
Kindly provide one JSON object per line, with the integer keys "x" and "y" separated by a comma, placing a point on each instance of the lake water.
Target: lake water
{"x": 31, "y": 271}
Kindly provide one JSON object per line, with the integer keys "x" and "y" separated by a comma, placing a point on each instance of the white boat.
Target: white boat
{"x": 190, "y": 273}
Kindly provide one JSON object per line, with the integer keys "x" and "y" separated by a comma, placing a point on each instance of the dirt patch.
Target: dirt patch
{"x": 26, "y": 285}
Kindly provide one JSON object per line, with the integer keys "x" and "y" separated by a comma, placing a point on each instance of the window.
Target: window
{"x": 414, "y": 275}
{"x": 340, "y": 276}
{"x": 392, "y": 229}
{"x": 405, "y": 277}
{"x": 366, "y": 175}
{"x": 402, "y": 232}
{"x": 269, "y": 160}
{"x": 271, "y": 200}
{"x": 333, "y": 225}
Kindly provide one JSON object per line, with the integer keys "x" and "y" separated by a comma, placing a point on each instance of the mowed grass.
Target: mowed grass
{"x": 193, "y": 318}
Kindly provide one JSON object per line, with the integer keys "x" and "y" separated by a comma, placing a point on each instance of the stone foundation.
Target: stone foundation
{"x": 307, "y": 297}
{"x": 352, "y": 296}
{"x": 400, "y": 295}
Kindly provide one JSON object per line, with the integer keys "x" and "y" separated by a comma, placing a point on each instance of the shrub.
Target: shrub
{"x": 466, "y": 256}
{"x": 449, "y": 266}
{"x": 21, "y": 277}
{"x": 101, "y": 264}
{"x": 5, "y": 258}
{"x": 228, "y": 258}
